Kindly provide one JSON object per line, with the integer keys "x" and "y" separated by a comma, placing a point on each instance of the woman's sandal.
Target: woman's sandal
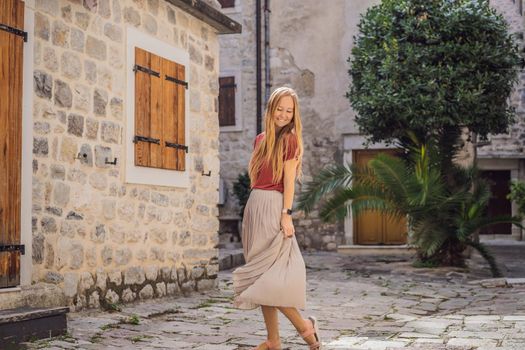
{"x": 312, "y": 329}
{"x": 269, "y": 346}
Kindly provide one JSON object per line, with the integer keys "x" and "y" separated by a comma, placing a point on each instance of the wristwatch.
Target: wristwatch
{"x": 287, "y": 211}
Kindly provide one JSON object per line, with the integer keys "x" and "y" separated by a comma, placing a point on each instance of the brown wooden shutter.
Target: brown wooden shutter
{"x": 227, "y": 89}
{"x": 159, "y": 112}
{"x": 227, "y": 3}
{"x": 11, "y": 59}
{"x": 181, "y": 107}
{"x": 170, "y": 112}
{"x": 142, "y": 108}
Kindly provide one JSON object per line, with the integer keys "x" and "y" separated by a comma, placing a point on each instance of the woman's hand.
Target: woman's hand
{"x": 287, "y": 225}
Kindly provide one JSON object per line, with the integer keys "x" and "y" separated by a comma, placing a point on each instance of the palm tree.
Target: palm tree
{"x": 442, "y": 218}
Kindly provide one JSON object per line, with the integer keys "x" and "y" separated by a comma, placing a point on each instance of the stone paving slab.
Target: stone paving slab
{"x": 357, "y": 309}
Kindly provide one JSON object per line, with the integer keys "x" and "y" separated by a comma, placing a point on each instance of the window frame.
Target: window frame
{"x": 146, "y": 175}
{"x": 229, "y": 7}
{"x": 237, "y": 9}
{"x": 238, "y": 101}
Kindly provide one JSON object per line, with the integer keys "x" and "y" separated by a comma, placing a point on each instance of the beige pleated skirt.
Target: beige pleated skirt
{"x": 274, "y": 273}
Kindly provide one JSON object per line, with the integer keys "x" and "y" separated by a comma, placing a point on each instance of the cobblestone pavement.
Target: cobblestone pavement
{"x": 361, "y": 303}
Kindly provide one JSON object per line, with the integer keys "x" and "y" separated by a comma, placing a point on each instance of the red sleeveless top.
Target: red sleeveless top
{"x": 264, "y": 179}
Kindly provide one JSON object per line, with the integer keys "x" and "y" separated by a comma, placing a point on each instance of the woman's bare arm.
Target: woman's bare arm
{"x": 290, "y": 169}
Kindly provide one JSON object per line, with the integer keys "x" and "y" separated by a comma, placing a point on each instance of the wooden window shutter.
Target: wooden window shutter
{"x": 227, "y": 3}
{"x": 227, "y": 89}
{"x": 159, "y": 112}
{"x": 11, "y": 59}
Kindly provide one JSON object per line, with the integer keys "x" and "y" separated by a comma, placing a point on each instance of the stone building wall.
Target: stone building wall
{"x": 96, "y": 239}
{"x": 513, "y": 142}
{"x": 310, "y": 42}
{"x": 237, "y": 52}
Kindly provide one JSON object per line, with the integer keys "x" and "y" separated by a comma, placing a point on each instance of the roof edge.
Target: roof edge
{"x": 209, "y": 15}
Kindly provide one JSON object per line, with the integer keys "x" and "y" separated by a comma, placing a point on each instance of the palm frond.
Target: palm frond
{"x": 487, "y": 255}
{"x": 429, "y": 236}
{"x": 336, "y": 207}
{"x": 392, "y": 173}
{"x": 481, "y": 222}
{"x": 328, "y": 180}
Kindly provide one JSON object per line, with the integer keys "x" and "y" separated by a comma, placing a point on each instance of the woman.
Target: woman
{"x": 274, "y": 276}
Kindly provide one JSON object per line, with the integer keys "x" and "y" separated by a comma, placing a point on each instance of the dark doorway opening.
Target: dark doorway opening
{"x": 499, "y": 204}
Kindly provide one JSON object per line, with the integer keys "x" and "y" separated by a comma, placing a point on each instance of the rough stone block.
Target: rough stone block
{"x": 206, "y": 284}
{"x": 122, "y": 256}
{"x": 131, "y": 16}
{"x": 75, "y": 125}
{"x": 42, "y": 84}
{"x": 78, "y": 41}
{"x": 114, "y": 32}
{"x": 134, "y": 275}
{"x": 61, "y": 194}
{"x": 115, "y": 277}
{"x": 98, "y": 181}
{"x": 40, "y": 146}
{"x": 60, "y": 35}
{"x": 110, "y": 132}
{"x": 63, "y": 94}
{"x": 128, "y": 295}
{"x": 71, "y": 65}
{"x": 146, "y": 292}
{"x": 112, "y": 297}
{"x": 161, "y": 289}
{"x": 71, "y": 280}
{"x": 96, "y": 48}
{"x": 172, "y": 289}
{"x": 107, "y": 255}
{"x": 42, "y": 26}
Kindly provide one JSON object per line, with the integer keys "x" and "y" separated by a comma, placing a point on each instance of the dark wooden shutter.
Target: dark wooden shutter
{"x": 227, "y": 89}
{"x": 159, "y": 112}
{"x": 11, "y": 59}
{"x": 227, "y": 3}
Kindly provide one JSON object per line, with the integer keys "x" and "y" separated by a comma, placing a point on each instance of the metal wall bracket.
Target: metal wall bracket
{"x": 177, "y": 81}
{"x": 145, "y": 70}
{"x": 107, "y": 161}
{"x": 13, "y": 30}
{"x": 13, "y": 248}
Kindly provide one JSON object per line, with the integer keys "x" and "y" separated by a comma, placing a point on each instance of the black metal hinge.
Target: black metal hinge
{"x": 177, "y": 81}
{"x": 13, "y": 248}
{"x": 177, "y": 146}
{"x": 13, "y": 30}
{"x": 138, "y": 138}
{"x": 145, "y": 70}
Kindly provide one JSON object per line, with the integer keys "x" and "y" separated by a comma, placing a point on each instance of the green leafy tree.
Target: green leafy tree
{"x": 432, "y": 67}
{"x": 423, "y": 72}
{"x": 241, "y": 189}
{"x": 517, "y": 194}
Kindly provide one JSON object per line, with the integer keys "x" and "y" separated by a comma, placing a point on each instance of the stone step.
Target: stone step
{"x": 397, "y": 250}
{"x": 230, "y": 258}
{"x": 28, "y": 323}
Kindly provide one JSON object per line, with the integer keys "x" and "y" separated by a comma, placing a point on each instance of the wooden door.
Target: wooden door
{"x": 372, "y": 227}
{"x": 499, "y": 204}
{"x": 11, "y": 47}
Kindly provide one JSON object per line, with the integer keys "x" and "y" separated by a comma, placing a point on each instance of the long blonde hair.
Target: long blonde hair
{"x": 274, "y": 146}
